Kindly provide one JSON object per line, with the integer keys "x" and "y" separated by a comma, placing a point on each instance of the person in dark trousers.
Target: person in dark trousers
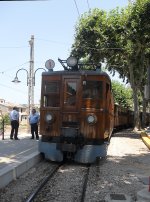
{"x": 34, "y": 120}
{"x": 14, "y": 118}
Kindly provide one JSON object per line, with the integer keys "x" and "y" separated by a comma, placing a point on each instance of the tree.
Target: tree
{"x": 121, "y": 39}
{"x": 5, "y": 118}
{"x": 139, "y": 26}
{"x": 122, "y": 95}
{"x": 90, "y": 36}
{"x": 129, "y": 61}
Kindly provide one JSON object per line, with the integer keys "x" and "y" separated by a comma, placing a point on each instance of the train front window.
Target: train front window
{"x": 51, "y": 94}
{"x": 52, "y": 87}
{"x": 93, "y": 89}
{"x": 92, "y": 94}
{"x": 70, "y": 93}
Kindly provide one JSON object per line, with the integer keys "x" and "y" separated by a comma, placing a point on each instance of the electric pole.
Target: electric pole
{"x": 31, "y": 76}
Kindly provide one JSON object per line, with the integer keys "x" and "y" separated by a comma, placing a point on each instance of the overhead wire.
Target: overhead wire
{"x": 14, "y": 46}
{"x": 12, "y": 68}
{"x": 77, "y": 8}
{"x": 88, "y": 4}
{"x": 92, "y": 48}
{"x": 21, "y": 91}
{"x": 18, "y": 90}
{"x": 47, "y": 40}
{"x": 23, "y": 83}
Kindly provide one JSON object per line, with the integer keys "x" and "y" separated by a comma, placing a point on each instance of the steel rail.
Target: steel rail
{"x": 34, "y": 194}
{"x": 85, "y": 183}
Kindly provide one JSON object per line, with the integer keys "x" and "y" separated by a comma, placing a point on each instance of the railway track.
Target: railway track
{"x": 120, "y": 173}
{"x": 77, "y": 188}
{"x": 85, "y": 184}
{"x": 39, "y": 188}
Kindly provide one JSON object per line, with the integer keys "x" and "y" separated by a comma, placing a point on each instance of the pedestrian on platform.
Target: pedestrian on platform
{"x": 14, "y": 118}
{"x": 34, "y": 121}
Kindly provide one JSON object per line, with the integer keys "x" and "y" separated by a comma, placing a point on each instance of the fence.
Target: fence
{"x": 2, "y": 128}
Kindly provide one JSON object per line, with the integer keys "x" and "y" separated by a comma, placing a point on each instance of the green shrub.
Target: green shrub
{"x": 6, "y": 119}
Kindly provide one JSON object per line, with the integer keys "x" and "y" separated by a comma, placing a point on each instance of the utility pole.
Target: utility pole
{"x": 31, "y": 76}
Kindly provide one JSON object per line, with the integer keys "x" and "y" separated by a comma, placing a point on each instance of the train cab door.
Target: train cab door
{"x": 71, "y": 94}
{"x": 70, "y": 118}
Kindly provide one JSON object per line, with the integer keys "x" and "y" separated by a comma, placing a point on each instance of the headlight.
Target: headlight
{"x": 72, "y": 61}
{"x": 91, "y": 118}
{"x": 49, "y": 118}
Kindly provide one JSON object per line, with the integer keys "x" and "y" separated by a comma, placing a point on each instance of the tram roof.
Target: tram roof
{"x": 79, "y": 72}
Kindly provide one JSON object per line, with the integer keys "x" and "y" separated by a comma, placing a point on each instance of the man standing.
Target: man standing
{"x": 14, "y": 118}
{"x": 34, "y": 120}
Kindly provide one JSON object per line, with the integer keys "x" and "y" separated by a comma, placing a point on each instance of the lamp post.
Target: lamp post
{"x": 30, "y": 82}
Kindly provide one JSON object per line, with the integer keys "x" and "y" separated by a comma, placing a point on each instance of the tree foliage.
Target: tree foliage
{"x": 121, "y": 39}
{"x": 90, "y": 36}
{"x": 6, "y": 119}
{"x": 122, "y": 95}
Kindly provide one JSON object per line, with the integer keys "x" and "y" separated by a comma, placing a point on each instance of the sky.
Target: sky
{"x": 53, "y": 25}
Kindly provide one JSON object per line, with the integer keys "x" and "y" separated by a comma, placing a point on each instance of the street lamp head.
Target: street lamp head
{"x": 16, "y": 80}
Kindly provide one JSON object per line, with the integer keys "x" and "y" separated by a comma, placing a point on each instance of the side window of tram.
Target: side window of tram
{"x": 51, "y": 94}
{"x": 107, "y": 89}
{"x": 93, "y": 89}
{"x": 107, "y": 95}
{"x": 70, "y": 93}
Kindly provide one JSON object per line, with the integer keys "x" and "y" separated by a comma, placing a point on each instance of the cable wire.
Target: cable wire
{"x": 88, "y": 4}
{"x": 14, "y": 47}
{"x": 77, "y": 8}
{"x": 57, "y": 42}
{"x": 12, "y": 68}
{"x": 83, "y": 46}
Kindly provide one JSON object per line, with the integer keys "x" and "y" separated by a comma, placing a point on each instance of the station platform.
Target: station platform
{"x": 17, "y": 156}
{"x": 145, "y": 135}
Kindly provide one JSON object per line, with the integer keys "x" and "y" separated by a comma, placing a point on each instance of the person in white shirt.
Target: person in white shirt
{"x": 14, "y": 118}
{"x": 34, "y": 120}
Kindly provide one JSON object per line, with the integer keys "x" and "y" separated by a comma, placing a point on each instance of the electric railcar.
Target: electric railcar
{"x": 76, "y": 112}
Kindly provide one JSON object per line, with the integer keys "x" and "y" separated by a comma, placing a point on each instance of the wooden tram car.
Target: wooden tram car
{"x": 123, "y": 118}
{"x": 76, "y": 113}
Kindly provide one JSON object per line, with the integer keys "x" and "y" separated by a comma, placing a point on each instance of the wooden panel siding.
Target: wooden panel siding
{"x": 50, "y": 129}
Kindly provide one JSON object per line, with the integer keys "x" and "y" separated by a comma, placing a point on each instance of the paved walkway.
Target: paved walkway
{"x": 16, "y": 156}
